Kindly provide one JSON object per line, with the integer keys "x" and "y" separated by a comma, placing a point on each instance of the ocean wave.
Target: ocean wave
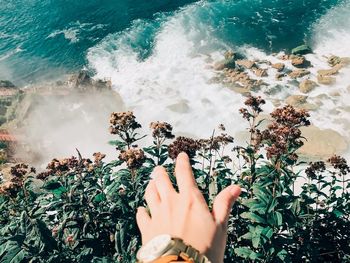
{"x": 74, "y": 31}
{"x": 162, "y": 70}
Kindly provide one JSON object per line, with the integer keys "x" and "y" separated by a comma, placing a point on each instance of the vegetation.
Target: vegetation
{"x": 82, "y": 210}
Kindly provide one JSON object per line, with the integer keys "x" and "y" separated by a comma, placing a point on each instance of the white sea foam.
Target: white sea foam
{"x": 11, "y": 53}
{"x": 176, "y": 74}
{"x": 74, "y": 30}
{"x": 172, "y": 84}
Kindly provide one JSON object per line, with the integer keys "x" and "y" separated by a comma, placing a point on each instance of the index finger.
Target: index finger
{"x": 183, "y": 172}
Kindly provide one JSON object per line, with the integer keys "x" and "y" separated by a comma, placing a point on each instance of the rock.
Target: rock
{"x": 245, "y": 63}
{"x": 298, "y": 73}
{"x": 322, "y": 143}
{"x": 226, "y": 63}
{"x": 335, "y": 60}
{"x": 180, "y": 107}
{"x": 80, "y": 79}
{"x": 307, "y": 85}
{"x": 6, "y": 84}
{"x": 296, "y": 100}
{"x": 300, "y": 62}
{"x": 283, "y": 57}
{"x": 328, "y": 72}
{"x": 260, "y": 72}
{"x": 325, "y": 80}
{"x": 231, "y": 54}
{"x": 279, "y": 76}
{"x": 278, "y": 66}
{"x": 301, "y": 50}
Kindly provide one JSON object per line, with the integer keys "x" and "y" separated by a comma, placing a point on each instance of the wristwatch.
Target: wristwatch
{"x": 164, "y": 248}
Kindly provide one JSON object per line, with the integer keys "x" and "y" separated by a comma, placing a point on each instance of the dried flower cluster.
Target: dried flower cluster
{"x": 161, "y": 130}
{"x": 255, "y": 104}
{"x": 133, "y": 157}
{"x": 122, "y": 122}
{"x": 291, "y": 117}
{"x": 314, "y": 168}
{"x": 65, "y": 165}
{"x": 283, "y": 135}
{"x": 183, "y": 144}
{"x": 216, "y": 142}
{"x": 340, "y": 164}
{"x": 18, "y": 172}
{"x": 98, "y": 157}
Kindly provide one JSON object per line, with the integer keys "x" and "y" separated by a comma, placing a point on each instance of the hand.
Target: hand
{"x": 186, "y": 214}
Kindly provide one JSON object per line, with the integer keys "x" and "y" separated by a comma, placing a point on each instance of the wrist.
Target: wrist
{"x": 164, "y": 248}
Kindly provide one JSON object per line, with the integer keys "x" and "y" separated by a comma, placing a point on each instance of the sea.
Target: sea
{"x": 159, "y": 54}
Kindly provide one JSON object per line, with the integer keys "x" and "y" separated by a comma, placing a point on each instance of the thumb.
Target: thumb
{"x": 223, "y": 203}
{"x": 143, "y": 221}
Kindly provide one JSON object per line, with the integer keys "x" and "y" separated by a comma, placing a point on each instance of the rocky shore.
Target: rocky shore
{"x": 291, "y": 79}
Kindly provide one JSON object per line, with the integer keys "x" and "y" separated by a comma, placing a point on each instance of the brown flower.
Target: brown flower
{"x": 340, "y": 164}
{"x": 161, "y": 130}
{"x": 315, "y": 168}
{"x": 10, "y": 188}
{"x": 255, "y": 103}
{"x": 183, "y": 144}
{"x": 291, "y": 117}
{"x": 123, "y": 121}
{"x": 134, "y": 158}
{"x": 98, "y": 157}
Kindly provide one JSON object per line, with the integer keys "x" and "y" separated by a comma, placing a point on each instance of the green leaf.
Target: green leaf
{"x": 282, "y": 254}
{"x": 278, "y": 215}
{"x": 338, "y": 213}
{"x": 296, "y": 207}
{"x": 120, "y": 144}
{"x": 99, "y": 197}
{"x": 253, "y": 217}
{"x": 246, "y": 252}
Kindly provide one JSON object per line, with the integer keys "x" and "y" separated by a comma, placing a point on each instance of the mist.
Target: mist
{"x": 55, "y": 125}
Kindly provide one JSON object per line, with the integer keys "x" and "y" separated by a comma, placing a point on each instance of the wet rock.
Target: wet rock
{"x": 300, "y": 62}
{"x": 301, "y": 50}
{"x": 325, "y": 80}
{"x": 296, "y": 100}
{"x": 328, "y": 72}
{"x": 228, "y": 63}
{"x": 298, "y": 73}
{"x": 231, "y": 54}
{"x": 6, "y": 84}
{"x": 248, "y": 64}
{"x": 83, "y": 82}
{"x": 81, "y": 79}
{"x": 278, "y": 66}
{"x": 279, "y": 76}
{"x": 307, "y": 85}
{"x": 322, "y": 143}
{"x": 283, "y": 57}
{"x": 260, "y": 72}
{"x": 180, "y": 107}
{"x": 335, "y": 60}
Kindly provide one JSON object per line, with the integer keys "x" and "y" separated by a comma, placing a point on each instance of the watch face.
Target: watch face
{"x": 154, "y": 248}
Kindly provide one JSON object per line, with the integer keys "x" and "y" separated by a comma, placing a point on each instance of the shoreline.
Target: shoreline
{"x": 238, "y": 73}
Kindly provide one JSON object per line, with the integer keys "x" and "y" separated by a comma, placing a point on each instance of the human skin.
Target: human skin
{"x": 185, "y": 214}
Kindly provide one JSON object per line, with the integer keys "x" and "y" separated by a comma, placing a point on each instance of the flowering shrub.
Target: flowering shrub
{"x": 82, "y": 210}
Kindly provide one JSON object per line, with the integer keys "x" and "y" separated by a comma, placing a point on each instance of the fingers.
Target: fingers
{"x": 162, "y": 182}
{"x": 223, "y": 203}
{"x": 152, "y": 196}
{"x": 183, "y": 172}
{"x": 143, "y": 221}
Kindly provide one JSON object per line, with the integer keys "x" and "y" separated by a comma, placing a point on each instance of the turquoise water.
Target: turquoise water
{"x": 42, "y": 39}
